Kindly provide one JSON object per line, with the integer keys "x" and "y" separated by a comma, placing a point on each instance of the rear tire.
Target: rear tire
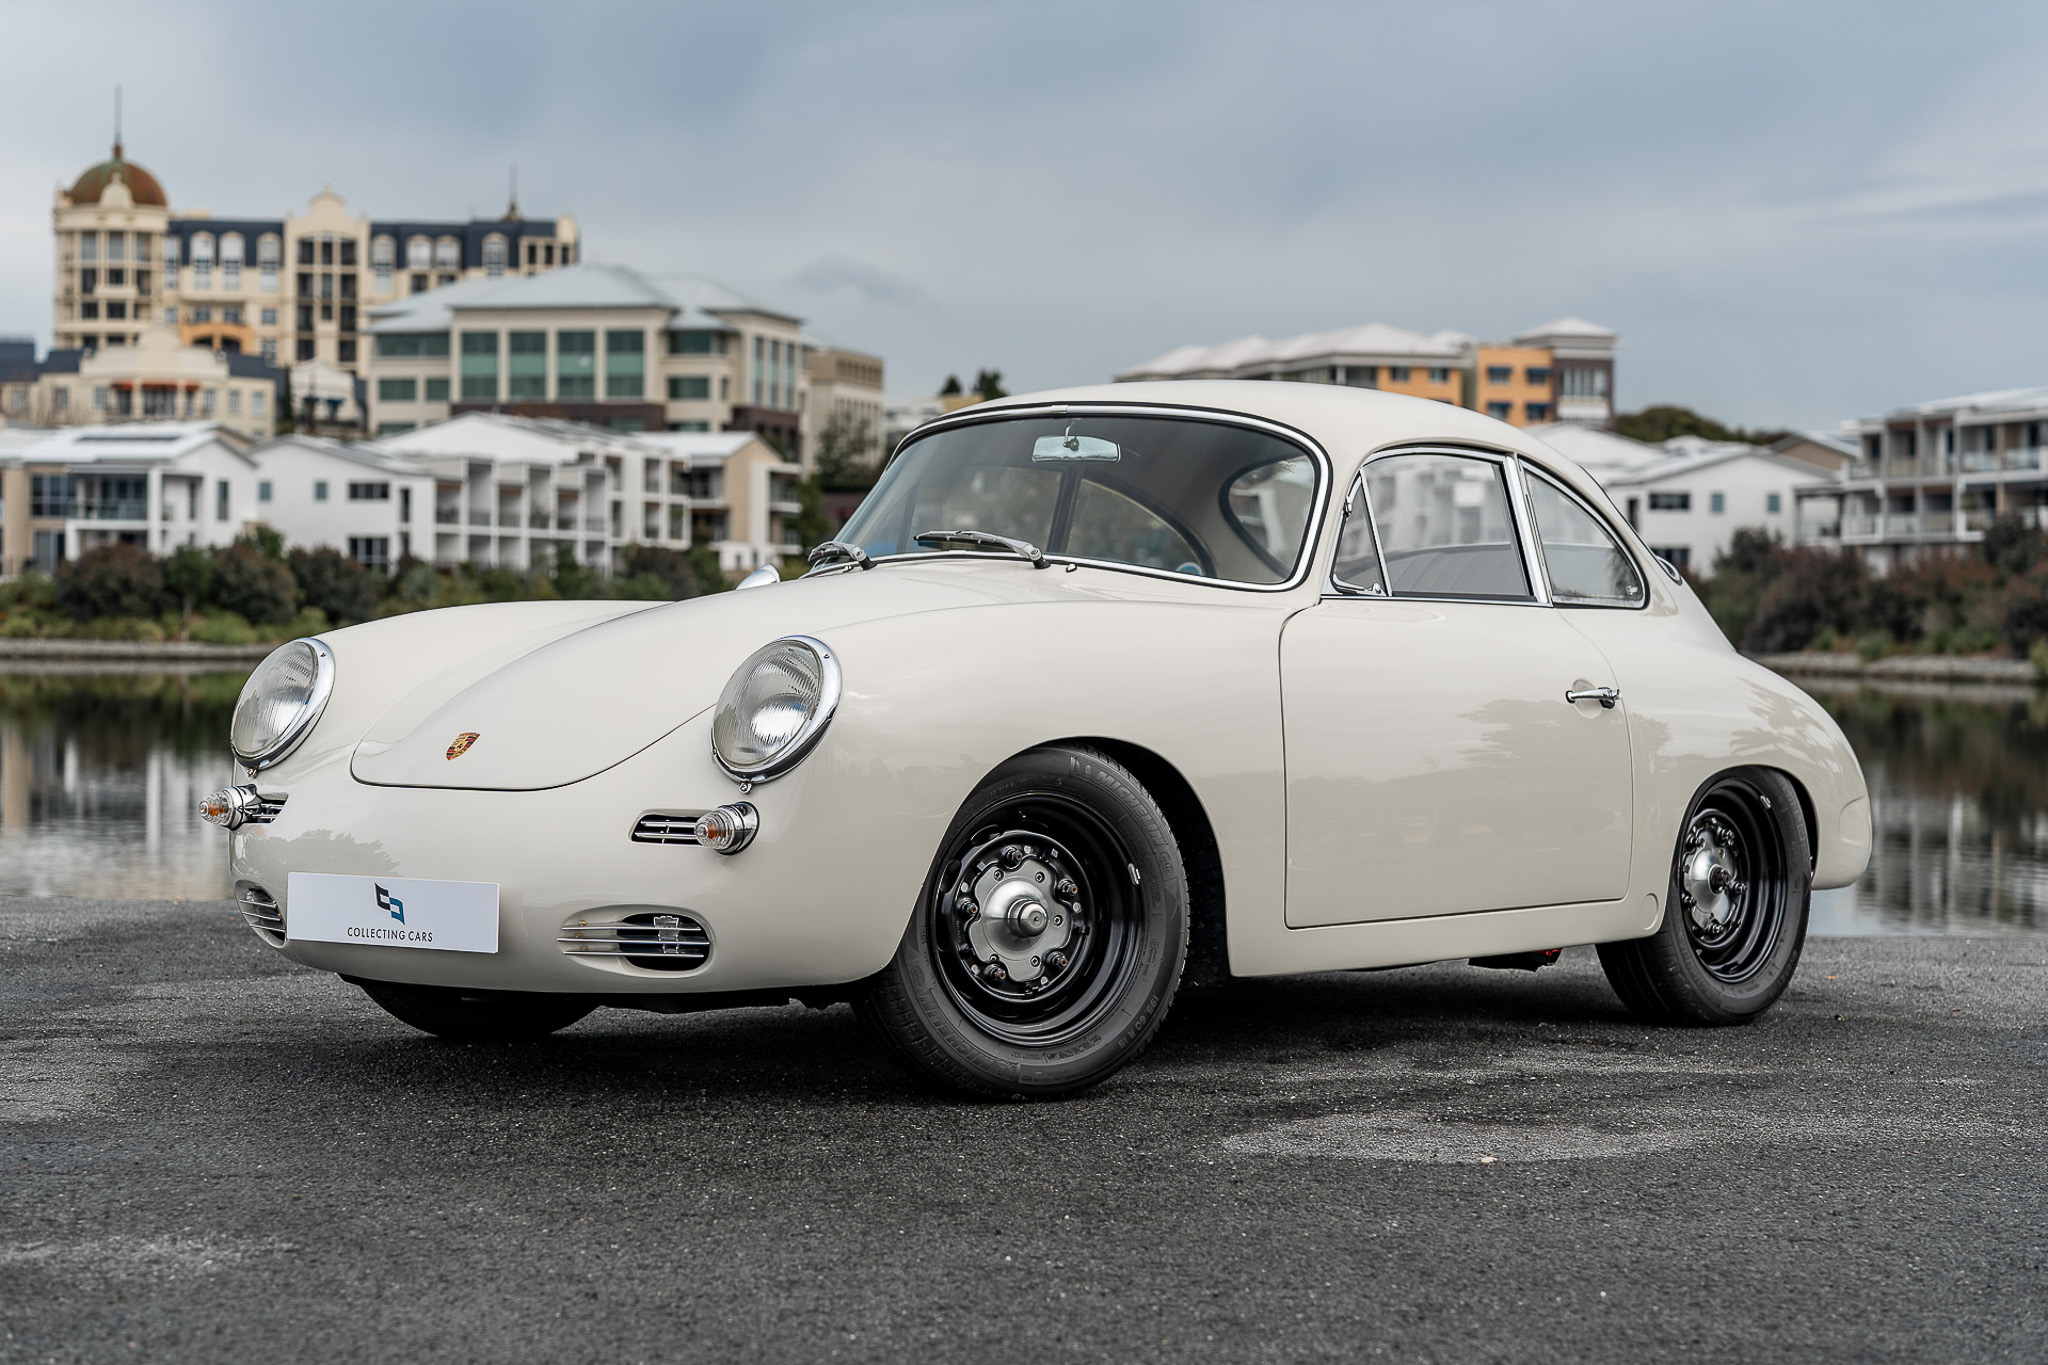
{"x": 477, "y": 1016}
{"x": 1050, "y": 937}
{"x": 1734, "y": 912}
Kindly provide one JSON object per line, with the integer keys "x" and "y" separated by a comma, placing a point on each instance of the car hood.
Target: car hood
{"x": 586, "y": 702}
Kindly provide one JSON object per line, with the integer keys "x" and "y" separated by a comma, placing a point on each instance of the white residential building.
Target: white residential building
{"x": 510, "y": 489}
{"x": 372, "y": 506}
{"x": 157, "y": 484}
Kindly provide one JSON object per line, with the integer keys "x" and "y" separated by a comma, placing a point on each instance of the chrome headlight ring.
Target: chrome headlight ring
{"x": 304, "y": 666}
{"x": 775, "y": 708}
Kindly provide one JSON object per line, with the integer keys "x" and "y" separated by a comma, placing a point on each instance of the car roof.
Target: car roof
{"x": 1349, "y": 423}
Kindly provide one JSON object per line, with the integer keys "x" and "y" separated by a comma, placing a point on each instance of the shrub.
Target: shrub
{"x": 1812, "y": 591}
{"x": 222, "y": 628}
{"x": 188, "y": 577}
{"x": 253, "y": 585}
{"x": 335, "y": 584}
{"x": 30, "y": 591}
{"x": 19, "y": 625}
{"x": 110, "y": 580}
{"x": 670, "y": 570}
{"x": 2026, "y": 610}
{"x": 1874, "y": 646}
{"x": 2012, "y": 547}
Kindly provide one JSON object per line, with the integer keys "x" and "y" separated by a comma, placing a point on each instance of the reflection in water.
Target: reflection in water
{"x": 100, "y": 780}
{"x": 101, "y": 775}
{"x": 1959, "y": 799}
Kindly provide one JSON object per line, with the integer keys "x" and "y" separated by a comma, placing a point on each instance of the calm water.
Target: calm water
{"x": 101, "y": 775}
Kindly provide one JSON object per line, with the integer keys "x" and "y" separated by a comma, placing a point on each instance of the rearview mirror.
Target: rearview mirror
{"x": 1072, "y": 447}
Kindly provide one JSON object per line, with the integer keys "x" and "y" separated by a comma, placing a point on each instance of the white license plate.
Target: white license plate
{"x": 393, "y": 912}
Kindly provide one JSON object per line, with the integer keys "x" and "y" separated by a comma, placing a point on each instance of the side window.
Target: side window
{"x": 1584, "y": 562}
{"x": 1357, "y": 566}
{"x": 1445, "y": 527}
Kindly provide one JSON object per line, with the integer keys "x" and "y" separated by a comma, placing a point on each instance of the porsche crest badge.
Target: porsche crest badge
{"x": 461, "y": 746}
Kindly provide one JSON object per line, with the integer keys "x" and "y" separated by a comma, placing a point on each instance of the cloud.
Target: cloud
{"x": 868, "y": 283}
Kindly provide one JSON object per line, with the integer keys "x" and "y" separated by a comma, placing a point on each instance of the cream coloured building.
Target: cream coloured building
{"x": 613, "y": 347}
{"x": 289, "y": 289}
{"x": 155, "y": 378}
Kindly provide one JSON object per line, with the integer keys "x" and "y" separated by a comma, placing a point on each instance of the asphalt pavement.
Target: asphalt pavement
{"x": 207, "y": 1154}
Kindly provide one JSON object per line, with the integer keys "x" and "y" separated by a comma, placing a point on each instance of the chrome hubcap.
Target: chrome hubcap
{"x": 1020, "y": 911}
{"x": 1711, "y": 876}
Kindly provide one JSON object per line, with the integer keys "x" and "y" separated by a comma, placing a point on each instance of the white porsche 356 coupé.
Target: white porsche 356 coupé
{"x": 1100, "y": 690}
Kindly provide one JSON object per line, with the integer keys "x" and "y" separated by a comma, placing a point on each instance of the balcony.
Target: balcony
{"x": 565, "y": 523}
{"x": 113, "y": 509}
{"x": 477, "y": 518}
{"x": 2028, "y": 457}
{"x": 511, "y": 516}
{"x": 1901, "y": 525}
{"x": 594, "y": 524}
{"x": 1819, "y": 532}
{"x": 1858, "y": 526}
{"x": 539, "y": 521}
{"x": 448, "y": 516}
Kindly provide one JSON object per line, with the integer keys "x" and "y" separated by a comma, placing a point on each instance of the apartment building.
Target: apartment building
{"x": 1932, "y": 477}
{"x": 510, "y": 489}
{"x": 289, "y": 289}
{"x": 158, "y": 484}
{"x": 373, "y": 506}
{"x": 612, "y": 347}
{"x": 1563, "y": 370}
{"x": 157, "y": 378}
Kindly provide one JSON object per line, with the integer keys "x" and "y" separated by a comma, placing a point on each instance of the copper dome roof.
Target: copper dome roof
{"x": 142, "y": 186}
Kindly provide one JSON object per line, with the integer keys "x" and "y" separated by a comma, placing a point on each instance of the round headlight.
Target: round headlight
{"x": 775, "y": 707}
{"x": 280, "y": 702}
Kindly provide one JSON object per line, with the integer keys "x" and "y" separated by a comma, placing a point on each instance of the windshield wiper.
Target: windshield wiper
{"x": 843, "y": 548}
{"x": 1022, "y": 548}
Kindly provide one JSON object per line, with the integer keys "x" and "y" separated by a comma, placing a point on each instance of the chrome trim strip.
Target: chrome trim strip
{"x": 323, "y": 687}
{"x": 1311, "y": 538}
{"x": 807, "y": 735}
{"x": 1530, "y": 469}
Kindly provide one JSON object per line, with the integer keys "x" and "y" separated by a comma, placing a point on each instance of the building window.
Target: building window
{"x": 88, "y": 247}
{"x": 575, "y": 364}
{"x": 327, "y": 249}
{"x": 88, "y": 281}
{"x": 202, "y": 262}
{"x": 394, "y": 428}
{"x": 52, "y": 495}
{"x": 1581, "y": 382}
{"x": 319, "y": 490}
{"x": 257, "y": 401}
{"x": 494, "y": 256}
{"x": 404, "y": 504}
{"x": 304, "y": 350}
{"x": 696, "y": 343}
{"x": 625, "y": 364}
{"x": 1671, "y": 502}
{"x": 383, "y": 255}
{"x": 479, "y": 366}
{"x": 235, "y": 402}
{"x": 369, "y": 492}
{"x": 202, "y": 313}
{"x": 689, "y": 388}
{"x": 170, "y": 253}
{"x": 1774, "y": 503}
{"x": 231, "y": 261}
{"x": 263, "y": 490}
{"x": 231, "y": 314}
{"x": 1717, "y": 503}
{"x": 1678, "y": 556}
{"x": 266, "y": 260}
{"x": 99, "y": 398}
{"x": 89, "y": 310}
{"x": 1538, "y": 412}
{"x": 405, "y": 345}
{"x": 1500, "y": 374}
{"x": 268, "y": 317}
{"x": 437, "y": 390}
{"x": 372, "y": 552}
{"x": 760, "y": 362}
{"x": 305, "y": 251}
{"x": 345, "y": 351}
{"x": 116, "y": 308}
{"x": 1537, "y": 374}
{"x": 398, "y": 390}
{"x": 269, "y": 350}
{"x": 448, "y": 254}
{"x": 1397, "y": 374}
{"x": 419, "y": 284}
{"x": 348, "y": 251}
{"x": 305, "y": 318}
{"x": 1439, "y": 374}
{"x": 1500, "y": 410}
{"x": 419, "y": 253}
{"x": 348, "y": 317}
{"x": 526, "y": 365}
{"x": 220, "y": 500}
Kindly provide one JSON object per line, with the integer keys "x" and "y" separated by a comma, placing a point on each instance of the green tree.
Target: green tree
{"x": 254, "y": 585}
{"x": 844, "y": 449}
{"x": 988, "y": 385}
{"x": 334, "y": 583}
{"x": 110, "y": 580}
{"x": 570, "y": 578}
{"x": 670, "y": 572}
{"x": 951, "y": 386}
{"x": 188, "y": 574}
{"x": 1661, "y": 421}
{"x": 285, "y": 423}
{"x": 813, "y": 527}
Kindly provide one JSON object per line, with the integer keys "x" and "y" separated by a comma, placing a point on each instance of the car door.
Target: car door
{"x": 1434, "y": 763}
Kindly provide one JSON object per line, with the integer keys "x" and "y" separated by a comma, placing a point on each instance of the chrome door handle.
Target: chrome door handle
{"x": 1606, "y": 696}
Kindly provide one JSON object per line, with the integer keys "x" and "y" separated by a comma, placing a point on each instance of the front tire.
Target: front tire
{"x": 1050, "y": 936}
{"x": 1735, "y": 908}
{"x": 477, "y": 1016}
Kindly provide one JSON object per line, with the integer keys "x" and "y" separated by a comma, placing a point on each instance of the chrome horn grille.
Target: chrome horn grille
{"x": 260, "y": 910}
{"x": 659, "y": 942}
{"x": 666, "y": 827}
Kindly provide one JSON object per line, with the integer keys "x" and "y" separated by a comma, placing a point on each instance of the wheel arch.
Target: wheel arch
{"x": 1201, "y": 856}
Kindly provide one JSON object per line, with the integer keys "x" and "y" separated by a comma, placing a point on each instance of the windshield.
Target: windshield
{"x": 1175, "y": 494}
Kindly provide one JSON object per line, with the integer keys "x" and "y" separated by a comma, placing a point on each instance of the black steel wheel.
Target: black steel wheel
{"x": 476, "y": 1016}
{"x": 1050, "y": 936}
{"x": 1735, "y": 908}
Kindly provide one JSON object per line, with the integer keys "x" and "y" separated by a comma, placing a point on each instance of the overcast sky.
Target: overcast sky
{"x": 1791, "y": 213}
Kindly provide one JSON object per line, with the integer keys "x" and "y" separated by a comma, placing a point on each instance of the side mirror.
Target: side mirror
{"x": 759, "y": 578}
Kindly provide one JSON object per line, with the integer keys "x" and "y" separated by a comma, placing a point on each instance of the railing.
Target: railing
{"x": 565, "y": 523}
{"x": 1902, "y": 523}
{"x": 1858, "y": 525}
{"x": 540, "y": 521}
{"x": 448, "y": 516}
{"x": 1810, "y": 531}
{"x": 510, "y": 516}
{"x": 113, "y": 509}
{"x": 477, "y": 518}
{"x": 2028, "y": 457}
{"x": 1977, "y": 461}
{"x": 1978, "y": 518}
{"x": 593, "y": 523}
